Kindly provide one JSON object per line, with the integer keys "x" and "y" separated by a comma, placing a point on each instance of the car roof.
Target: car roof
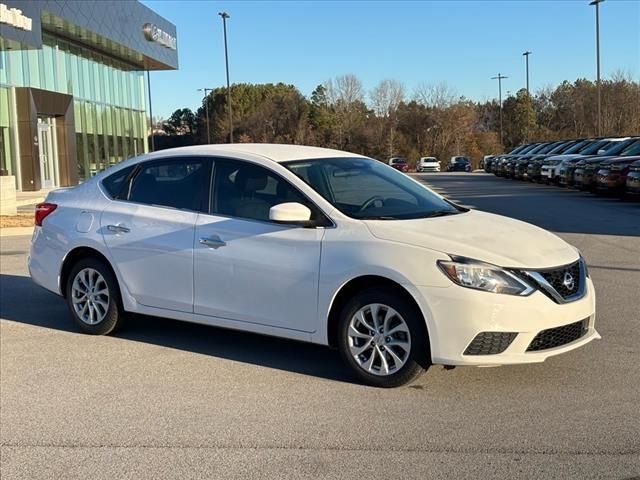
{"x": 270, "y": 151}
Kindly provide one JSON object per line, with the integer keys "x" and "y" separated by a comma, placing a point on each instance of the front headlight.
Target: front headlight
{"x": 484, "y": 276}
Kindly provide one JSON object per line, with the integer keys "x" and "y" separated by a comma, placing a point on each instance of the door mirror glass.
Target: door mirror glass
{"x": 290, "y": 212}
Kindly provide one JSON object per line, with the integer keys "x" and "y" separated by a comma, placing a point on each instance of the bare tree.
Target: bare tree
{"x": 386, "y": 97}
{"x": 439, "y": 95}
{"x": 345, "y": 94}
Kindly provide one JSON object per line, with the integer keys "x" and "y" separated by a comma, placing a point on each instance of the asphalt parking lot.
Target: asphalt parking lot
{"x": 164, "y": 399}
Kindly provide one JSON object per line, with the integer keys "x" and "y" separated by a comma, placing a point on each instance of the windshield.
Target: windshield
{"x": 549, "y": 147}
{"x": 577, "y": 147}
{"x": 368, "y": 190}
{"x": 519, "y": 149}
{"x": 593, "y": 147}
{"x": 398, "y": 160}
{"x": 614, "y": 148}
{"x": 538, "y": 148}
{"x": 633, "y": 149}
{"x": 562, "y": 147}
{"x": 531, "y": 148}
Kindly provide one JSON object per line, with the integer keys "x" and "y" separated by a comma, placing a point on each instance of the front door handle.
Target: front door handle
{"x": 118, "y": 228}
{"x": 214, "y": 241}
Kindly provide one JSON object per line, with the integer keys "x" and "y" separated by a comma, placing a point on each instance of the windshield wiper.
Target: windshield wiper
{"x": 378, "y": 217}
{"x": 441, "y": 213}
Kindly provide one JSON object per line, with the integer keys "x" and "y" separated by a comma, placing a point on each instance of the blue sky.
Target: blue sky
{"x": 462, "y": 43}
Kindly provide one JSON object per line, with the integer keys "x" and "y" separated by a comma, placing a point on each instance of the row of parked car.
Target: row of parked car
{"x": 432, "y": 164}
{"x": 602, "y": 165}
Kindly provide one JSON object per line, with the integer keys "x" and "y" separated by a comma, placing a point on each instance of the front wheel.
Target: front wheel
{"x": 93, "y": 297}
{"x": 383, "y": 338}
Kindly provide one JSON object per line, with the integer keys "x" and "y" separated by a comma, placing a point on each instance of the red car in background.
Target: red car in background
{"x": 399, "y": 163}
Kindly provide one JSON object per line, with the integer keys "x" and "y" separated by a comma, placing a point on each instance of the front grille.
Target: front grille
{"x": 490, "y": 343}
{"x": 556, "y": 337}
{"x": 567, "y": 281}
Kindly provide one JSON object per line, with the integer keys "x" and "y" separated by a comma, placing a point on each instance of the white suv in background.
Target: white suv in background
{"x": 428, "y": 164}
{"x": 315, "y": 245}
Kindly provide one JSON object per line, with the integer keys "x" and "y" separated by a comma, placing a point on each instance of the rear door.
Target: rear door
{"x": 149, "y": 230}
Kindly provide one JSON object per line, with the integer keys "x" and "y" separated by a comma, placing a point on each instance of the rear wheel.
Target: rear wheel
{"x": 93, "y": 297}
{"x": 383, "y": 338}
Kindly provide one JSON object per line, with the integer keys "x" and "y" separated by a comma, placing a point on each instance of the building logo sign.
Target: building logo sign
{"x": 14, "y": 18}
{"x": 154, "y": 34}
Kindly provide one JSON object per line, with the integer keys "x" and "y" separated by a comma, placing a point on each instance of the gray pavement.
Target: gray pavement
{"x": 165, "y": 399}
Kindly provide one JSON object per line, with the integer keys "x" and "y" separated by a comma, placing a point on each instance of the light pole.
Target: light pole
{"x": 206, "y": 106}
{"x": 526, "y": 56}
{"x": 224, "y": 16}
{"x": 500, "y": 77}
{"x": 597, "y": 5}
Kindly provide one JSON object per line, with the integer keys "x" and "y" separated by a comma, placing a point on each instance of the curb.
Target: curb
{"x": 15, "y": 231}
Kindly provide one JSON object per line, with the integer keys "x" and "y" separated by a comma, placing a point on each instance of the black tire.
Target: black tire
{"x": 419, "y": 358}
{"x": 114, "y": 315}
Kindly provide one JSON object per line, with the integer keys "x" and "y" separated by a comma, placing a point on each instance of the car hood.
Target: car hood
{"x": 620, "y": 161}
{"x": 482, "y": 236}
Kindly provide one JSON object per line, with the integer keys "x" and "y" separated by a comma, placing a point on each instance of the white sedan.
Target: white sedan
{"x": 428, "y": 164}
{"x": 315, "y": 245}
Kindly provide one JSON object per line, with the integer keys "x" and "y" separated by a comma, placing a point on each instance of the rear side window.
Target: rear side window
{"x": 113, "y": 183}
{"x": 178, "y": 183}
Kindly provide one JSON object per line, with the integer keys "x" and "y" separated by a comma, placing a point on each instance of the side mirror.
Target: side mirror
{"x": 601, "y": 151}
{"x": 291, "y": 212}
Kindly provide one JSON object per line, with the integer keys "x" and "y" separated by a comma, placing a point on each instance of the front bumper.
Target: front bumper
{"x": 633, "y": 183}
{"x": 457, "y": 315}
{"x": 566, "y": 176}
{"x": 610, "y": 181}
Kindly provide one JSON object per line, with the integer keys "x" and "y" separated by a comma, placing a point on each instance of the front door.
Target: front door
{"x": 47, "y": 146}
{"x": 247, "y": 268}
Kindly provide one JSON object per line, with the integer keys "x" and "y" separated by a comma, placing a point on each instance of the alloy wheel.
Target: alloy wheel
{"x": 379, "y": 339}
{"x": 90, "y": 296}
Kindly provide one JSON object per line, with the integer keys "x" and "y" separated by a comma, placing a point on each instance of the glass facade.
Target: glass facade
{"x": 7, "y": 166}
{"x": 108, "y": 95}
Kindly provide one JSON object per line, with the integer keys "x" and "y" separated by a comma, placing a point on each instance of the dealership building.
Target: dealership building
{"x": 73, "y": 96}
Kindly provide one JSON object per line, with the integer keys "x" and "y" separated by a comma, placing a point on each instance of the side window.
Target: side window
{"x": 249, "y": 191}
{"x": 178, "y": 183}
{"x": 113, "y": 183}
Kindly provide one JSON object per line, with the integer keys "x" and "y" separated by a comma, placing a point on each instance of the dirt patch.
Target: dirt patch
{"x": 20, "y": 220}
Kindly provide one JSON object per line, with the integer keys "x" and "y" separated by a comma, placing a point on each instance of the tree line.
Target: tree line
{"x": 388, "y": 121}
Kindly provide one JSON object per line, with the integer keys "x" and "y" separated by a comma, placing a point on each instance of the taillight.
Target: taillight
{"x": 42, "y": 211}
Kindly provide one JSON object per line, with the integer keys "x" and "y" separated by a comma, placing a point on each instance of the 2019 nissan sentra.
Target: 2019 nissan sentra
{"x": 315, "y": 245}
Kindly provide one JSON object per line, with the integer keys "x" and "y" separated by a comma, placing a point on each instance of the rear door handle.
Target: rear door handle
{"x": 118, "y": 228}
{"x": 214, "y": 241}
